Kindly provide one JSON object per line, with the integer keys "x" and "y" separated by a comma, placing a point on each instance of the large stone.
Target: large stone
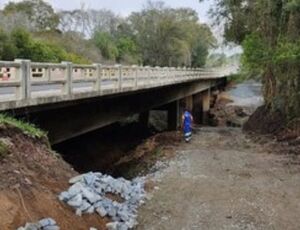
{"x": 76, "y": 179}
{"x": 101, "y": 211}
{"x": 75, "y": 189}
{"x": 30, "y": 226}
{"x": 88, "y": 194}
{"x": 51, "y": 228}
{"x": 112, "y": 226}
{"x": 47, "y": 222}
{"x": 76, "y": 201}
{"x": 90, "y": 179}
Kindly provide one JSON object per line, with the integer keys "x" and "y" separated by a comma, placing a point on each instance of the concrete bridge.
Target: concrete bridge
{"x": 69, "y": 100}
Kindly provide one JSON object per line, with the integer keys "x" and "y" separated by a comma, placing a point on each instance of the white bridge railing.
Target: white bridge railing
{"x": 25, "y": 80}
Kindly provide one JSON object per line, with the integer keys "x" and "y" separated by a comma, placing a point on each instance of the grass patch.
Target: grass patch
{"x": 3, "y": 150}
{"x": 28, "y": 129}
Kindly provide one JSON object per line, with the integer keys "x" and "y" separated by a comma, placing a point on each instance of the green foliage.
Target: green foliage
{"x": 199, "y": 55}
{"x": 127, "y": 49}
{"x": 238, "y": 78}
{"x": 256, "y": 53}
{"x": 25, "y": 127}
{"x": 20, "y": 44}
{"x": 104, "y": 42}
{"x": 75, "y": 58}
{"x": 170, "y": 37}
{"x": 269, "y": 32}
{"x": 287, "y": 52}
{"x": 157, "y": 35}
{"x": 8, "y": 50}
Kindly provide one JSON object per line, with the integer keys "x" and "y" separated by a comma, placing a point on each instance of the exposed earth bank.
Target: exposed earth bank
{"x": 31, "y": 177}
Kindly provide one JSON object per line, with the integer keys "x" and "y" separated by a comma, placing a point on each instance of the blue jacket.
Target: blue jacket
{"x": 187, "y": 122}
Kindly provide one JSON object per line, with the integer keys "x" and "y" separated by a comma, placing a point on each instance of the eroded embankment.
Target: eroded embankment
{"x": 31, "y": 177}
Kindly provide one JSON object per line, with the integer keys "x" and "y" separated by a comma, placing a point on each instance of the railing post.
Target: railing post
{"x": 157, "y": 75}
{"x": 149, "y": 77}
{"x": 98, "y": 78}
{"x": 25, "y": 71}
{"x": 120, "y": 78}
{"x": 135, "y": 69}
{"x": 68, "y": 74}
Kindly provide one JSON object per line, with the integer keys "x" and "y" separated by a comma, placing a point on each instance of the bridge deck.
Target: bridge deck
{"x": 24, "y": 83}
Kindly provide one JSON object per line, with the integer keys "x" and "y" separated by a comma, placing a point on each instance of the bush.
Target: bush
{"x": 20, "y": 44}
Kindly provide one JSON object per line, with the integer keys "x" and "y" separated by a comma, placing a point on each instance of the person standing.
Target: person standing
{"x": 187, "y": 122}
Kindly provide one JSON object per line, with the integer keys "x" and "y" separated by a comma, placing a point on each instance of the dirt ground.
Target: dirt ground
{"x": 223, "y": 180}
{"x": 31, "y": 177}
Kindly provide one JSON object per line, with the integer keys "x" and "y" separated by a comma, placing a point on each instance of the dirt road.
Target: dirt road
{"x": 222, "y": 180}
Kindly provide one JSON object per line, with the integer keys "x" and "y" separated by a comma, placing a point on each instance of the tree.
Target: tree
{"x": 8, "y": 50}
{"x": 127, "y": 49}
{"x": 169, "y": 37}
{"x": 269, "y": 32}
{"x": 87, "y": 21}
{"x": 104, "y": 42}
{"x": 40, "y": 14}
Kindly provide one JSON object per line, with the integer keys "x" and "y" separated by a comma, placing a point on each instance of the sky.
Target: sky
{"x": 125, "y": 7}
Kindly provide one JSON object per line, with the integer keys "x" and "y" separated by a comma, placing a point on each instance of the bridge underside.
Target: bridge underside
{"x": 66, "y": 121}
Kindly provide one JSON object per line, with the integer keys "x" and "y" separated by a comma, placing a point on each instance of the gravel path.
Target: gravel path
{"x": 224, "y": 181}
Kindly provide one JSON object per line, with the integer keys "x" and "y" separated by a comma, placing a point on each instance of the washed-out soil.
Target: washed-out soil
{"x": 271, "y": 127}
{"x": 140, "y": 160}
{"x": 261, "y": 124}
{"x": 264, "y": 121}
{"x": 31, "y": 177}
{"x": 224, "y": 112}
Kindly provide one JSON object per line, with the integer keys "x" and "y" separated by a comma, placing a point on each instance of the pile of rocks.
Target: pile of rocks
{"x": 88, "y": 194}
{"x": 44, "y": 224}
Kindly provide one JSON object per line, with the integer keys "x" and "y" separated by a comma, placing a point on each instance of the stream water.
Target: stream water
{"x": 247, "y": 94}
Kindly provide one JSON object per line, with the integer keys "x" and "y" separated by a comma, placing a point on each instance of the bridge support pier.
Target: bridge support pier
{"x": 205, "y": 106}
{"x": 173, "y": 115}
{"x": 197, "y": 110}
{"x": 144, "y": 118}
